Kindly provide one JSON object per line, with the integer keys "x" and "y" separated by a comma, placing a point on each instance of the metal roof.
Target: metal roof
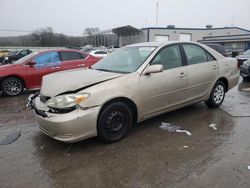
{"x": 180, "y": 28}
{"x": 128, "y": 29}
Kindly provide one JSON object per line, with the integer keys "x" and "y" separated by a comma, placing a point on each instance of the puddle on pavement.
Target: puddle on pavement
{"x": 237, "y": 101}
{"x": 9, "y": 137}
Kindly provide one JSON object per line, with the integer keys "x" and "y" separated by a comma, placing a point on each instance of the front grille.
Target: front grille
{"x": 61, "y": 111}
{"x": 44, "y": 99}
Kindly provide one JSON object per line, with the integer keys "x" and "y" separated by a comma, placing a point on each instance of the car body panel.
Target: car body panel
{"x": 201, "y": 77}
{"x": 53, "y": 84}
{"x": 159, "y": 92}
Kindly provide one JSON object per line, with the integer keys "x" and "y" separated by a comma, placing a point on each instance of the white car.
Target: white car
{"x": 98, "y": 53}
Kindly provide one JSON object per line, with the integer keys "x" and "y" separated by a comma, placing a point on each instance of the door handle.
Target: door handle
{"x": 55, "y": 68}
{"x": 215, "y": 67}
{"x": 182, "y": 74}
{"x": 81, "y": 65}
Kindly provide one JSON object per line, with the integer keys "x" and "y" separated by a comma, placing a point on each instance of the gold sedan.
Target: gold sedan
{"x": 130, "y": 85}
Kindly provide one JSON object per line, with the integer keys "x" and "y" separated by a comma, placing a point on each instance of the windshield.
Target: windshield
{"x": 247, "y": 52}
{"x": 12, "y": 53}
{"x": 25, "y": 58}
{"x": 124, "y": 60}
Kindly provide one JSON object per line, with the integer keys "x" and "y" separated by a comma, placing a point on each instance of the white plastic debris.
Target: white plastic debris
{"x": 245, "y": 89}
{"x": 185, "y": 146}
{"x": 184, "y": 131}
{"x": 213, "y": 126}
{"x": 171, "y": 128}
{"x": 248, "y": 167}
{"x": 168, "y": 127}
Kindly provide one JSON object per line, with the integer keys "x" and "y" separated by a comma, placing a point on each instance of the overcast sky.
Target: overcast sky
{"x": 71, "y": 17}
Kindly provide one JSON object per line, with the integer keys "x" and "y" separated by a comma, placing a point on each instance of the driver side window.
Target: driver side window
{"x": 47, "y": 60}
{"x": 169, "y": 57}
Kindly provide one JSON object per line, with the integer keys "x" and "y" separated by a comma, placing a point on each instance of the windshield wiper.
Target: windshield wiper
{"x": 106, "y": 70}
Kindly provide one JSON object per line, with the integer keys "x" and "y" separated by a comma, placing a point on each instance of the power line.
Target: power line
{"x": 14, "y": 30}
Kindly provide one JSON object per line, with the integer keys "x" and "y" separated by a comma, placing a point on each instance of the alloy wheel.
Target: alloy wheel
{"x": 12, "y": 87}
{"x": 219, "y": 94}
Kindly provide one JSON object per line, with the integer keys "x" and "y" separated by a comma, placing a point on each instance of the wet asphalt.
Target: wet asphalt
{"x": 147, "y": 157}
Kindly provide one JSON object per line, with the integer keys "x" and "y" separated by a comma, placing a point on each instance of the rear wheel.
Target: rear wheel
{"x": 12, "y": 86}
{"x": 114, "y": 122}
{"x": 217, "y": 95}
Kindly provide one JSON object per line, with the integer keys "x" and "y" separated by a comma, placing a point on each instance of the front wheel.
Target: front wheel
{"x": 114, "y": 122}
{"x": 12, "y": 61}
{"x": 12, "y": 86}
{"x": 217, "y": 95}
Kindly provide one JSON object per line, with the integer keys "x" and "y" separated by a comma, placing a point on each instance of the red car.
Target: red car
{"x": 28, "y": 71}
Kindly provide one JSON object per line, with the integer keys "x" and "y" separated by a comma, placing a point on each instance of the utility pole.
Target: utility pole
{"x": 157, "y": 12}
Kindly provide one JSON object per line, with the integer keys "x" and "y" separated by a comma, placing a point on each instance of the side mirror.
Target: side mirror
{"x": 31, "y": 63}
{"x": 153, "y": 69}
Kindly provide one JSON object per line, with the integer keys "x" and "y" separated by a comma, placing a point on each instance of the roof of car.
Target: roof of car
{"x": 156, "y": 44}
{"x": 60, "y": 50}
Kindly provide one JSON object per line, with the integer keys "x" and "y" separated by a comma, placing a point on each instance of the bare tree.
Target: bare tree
{"x": 88, "y": 32}
{"x": 43, "y": 36}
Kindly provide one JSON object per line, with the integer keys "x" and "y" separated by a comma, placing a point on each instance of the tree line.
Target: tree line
{"x": 44, "y": 37}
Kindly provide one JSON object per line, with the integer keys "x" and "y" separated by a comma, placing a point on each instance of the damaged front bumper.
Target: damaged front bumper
{"x": 70, "y": 127}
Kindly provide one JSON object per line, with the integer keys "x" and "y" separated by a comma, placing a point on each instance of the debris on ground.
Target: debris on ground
{"x": 245, "y": 89}
{"x": 41, "y": 147}
{"x": 171, "y": 128}
{"x": 185, "y": 146}
{"x": 11, "y": 137}
{"x": 67, "y": 153}
{"x": 184, "y": 131}
{"x": 248, "y": 167}
{"x": 213, "y": 126}
{"x": 168, "y": 127}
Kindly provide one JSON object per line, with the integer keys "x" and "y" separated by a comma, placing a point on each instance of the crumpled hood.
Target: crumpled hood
{"x": 69, "y": 81}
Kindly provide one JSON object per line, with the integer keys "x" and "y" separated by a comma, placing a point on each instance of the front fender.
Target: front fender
{"x": 122, "y": 87}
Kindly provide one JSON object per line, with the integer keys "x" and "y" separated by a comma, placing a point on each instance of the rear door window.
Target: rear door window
{"x": 195, "y": 54}
{"x": 69, "y": 56}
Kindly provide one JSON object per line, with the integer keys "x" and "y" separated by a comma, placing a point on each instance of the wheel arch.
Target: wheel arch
{"x": 132, "y": 106}
{"x": 12, "y": 76}
{"x": 225, "y": 81}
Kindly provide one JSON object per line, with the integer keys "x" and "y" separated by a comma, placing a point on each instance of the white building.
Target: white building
{"x": 234, "y": 39}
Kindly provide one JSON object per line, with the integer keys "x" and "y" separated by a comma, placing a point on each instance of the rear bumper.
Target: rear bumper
{"x": 233, "y": 81}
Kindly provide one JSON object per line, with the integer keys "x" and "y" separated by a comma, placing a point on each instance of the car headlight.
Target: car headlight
{"x": 6, "y": 58}
{"x": 67, "y": 101}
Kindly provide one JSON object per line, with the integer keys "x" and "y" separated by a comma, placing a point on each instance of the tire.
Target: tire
{"x": 12, "y": 86}
{"x": 114, "y": 122}
{"x": 217, "y": 95}
{"x": 12, "y": 61}
{"x": 246, "y": 79}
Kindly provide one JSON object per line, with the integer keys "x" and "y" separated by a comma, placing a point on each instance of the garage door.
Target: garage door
{"x": 161, "y": 38}
{"x": 185, "y": 37}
